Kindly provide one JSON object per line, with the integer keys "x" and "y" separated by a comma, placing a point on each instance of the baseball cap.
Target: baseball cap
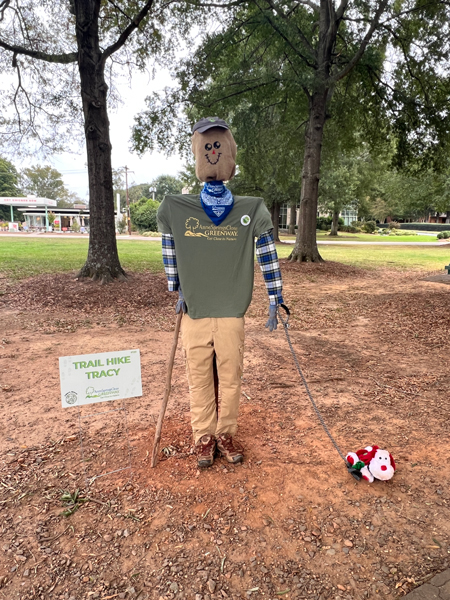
{"x": 207, "y": 123}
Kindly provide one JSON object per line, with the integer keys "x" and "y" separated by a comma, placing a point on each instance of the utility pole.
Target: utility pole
{"x": 128, "y": 201}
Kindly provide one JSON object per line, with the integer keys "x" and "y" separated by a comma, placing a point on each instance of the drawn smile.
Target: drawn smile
{"x": 213, "y": 163}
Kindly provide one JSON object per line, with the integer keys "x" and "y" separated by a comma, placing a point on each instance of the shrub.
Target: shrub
{"x": 394, "y": 225}
{"x": 369, "y": 226}
{"x": 75, "y": 226}
{"x": 349, "y": 229}
{"x": 143, "y": 214}
{"x": 443, "y": 235}
{"x": 323, "y": 223}
{"x": 151, "y": 234}
{"x": 397, "y": 232}
{"x": 122, "y": 224}
{"x": 405, "y": 232}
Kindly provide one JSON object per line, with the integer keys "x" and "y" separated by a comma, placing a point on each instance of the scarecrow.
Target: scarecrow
{"x": 208, "y": 251}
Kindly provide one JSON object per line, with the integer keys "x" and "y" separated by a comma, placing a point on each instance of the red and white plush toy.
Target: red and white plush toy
{"x": 372, "y": 463}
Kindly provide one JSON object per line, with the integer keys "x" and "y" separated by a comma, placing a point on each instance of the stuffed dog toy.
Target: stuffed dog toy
{"x": 372, "y": 463}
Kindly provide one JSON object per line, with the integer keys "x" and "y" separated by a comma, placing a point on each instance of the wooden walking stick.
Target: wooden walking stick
{"x": 162, "y": 411}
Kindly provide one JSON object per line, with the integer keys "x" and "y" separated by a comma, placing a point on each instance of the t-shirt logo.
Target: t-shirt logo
{"x": 245, "y": 220}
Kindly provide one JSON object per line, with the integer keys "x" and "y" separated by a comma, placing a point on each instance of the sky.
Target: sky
{"x": 142, "y": 170}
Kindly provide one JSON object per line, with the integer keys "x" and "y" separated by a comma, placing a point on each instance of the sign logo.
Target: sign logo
{"x": 105, "y": 394}
{"x": 71, "y": 397}
{"x": 245, "y": 220}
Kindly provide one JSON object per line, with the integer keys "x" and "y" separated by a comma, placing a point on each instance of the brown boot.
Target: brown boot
{"x": 206, "y": 448}
{"x": 233, "y": 452}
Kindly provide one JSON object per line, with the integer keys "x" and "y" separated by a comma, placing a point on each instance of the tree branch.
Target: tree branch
{"x": 299, "y": 31}
{"x": 3, "y": 6}
{"x": 341, "y": 10}
{"x": 346, "y": 70}
{"x": 122, "y": 12}
{"x": 51, "y": 58}
{"x": 238, "y": 93}
{"x": 127, "y": 31}
{"x": 311, "y": 4}
{"x": 216, "y": 5}
{"x": 285, "y": 38}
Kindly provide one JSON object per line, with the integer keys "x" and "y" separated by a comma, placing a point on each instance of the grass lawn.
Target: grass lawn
{"x": 22, "y": 257}
{"x": 421, "y": 258}
{"x": 324, "y": 236}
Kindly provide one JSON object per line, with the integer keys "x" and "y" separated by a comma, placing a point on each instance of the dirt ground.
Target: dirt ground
{"x": 288, "y": 523}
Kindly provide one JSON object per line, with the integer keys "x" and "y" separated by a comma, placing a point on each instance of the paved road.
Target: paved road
{"x": 350, "y": 243}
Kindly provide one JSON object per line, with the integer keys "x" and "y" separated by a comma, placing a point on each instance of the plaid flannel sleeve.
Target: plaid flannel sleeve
{"x": 170, "y": 261}
{"x": 267, "y": 256}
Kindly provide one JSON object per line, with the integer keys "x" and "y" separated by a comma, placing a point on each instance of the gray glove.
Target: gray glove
{"x": 272, "y": 321}
{"x": 181, "y": 304}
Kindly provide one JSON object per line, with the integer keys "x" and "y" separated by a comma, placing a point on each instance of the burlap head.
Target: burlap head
{"x": 215, "y": 154}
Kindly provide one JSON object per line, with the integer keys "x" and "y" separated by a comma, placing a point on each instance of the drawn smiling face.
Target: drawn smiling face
{"x": 215, "y": 154}
{"x": 212, "y": 151}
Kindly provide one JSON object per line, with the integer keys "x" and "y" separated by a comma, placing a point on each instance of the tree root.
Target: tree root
{"x": 310, "y": 257}
{"x": 102, "y": 274}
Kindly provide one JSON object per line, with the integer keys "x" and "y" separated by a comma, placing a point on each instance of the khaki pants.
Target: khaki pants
{"x": 202, "y": 339}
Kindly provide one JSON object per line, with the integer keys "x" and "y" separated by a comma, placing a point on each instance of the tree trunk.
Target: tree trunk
{"x": 335, "y": 224}
{"x": 103, "y": 259}
{"x": 292, "y": 219}
{"x": 305, "y": 248}
{"x": 275, "y": 214}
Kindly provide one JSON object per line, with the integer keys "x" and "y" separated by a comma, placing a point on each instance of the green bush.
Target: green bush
{"x": 443, "y": 235}
{"x": 143, "y": 214}
{"x": 397, "y": 232}
{"x": 324, "y": 223}
{"x": 75, "y": 226}
{"x": 421, "y": 226}
{"x": 122, "y": 224}
{"x": 405, "y": 232}
{"x": 369, "y": 226}
{"x": 394, "y": 225}
{"x": 349, "y": 229}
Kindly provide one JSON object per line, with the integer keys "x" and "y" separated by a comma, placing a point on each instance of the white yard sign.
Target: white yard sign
{"x": 91, "y": 378}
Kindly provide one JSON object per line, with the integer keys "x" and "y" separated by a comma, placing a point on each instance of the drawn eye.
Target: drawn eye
{"x": 208, "y": 147}
{"x": 216, "y": 145}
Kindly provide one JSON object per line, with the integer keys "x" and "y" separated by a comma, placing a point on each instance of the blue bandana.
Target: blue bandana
{"x": 216, "y": 200}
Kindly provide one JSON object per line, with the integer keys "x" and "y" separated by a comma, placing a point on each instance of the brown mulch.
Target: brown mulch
{"x": 327, "y": 270}
{"x": 288, "y": 523}
{"x": 62, "y": 291}
{"x": 141, "y": 299}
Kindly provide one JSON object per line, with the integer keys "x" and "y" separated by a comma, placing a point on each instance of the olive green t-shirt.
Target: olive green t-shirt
{"x": 215, "y": 263}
